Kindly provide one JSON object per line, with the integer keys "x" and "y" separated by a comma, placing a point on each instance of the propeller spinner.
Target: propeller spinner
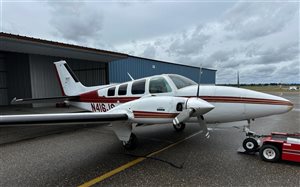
{"x": 194, "y": 107}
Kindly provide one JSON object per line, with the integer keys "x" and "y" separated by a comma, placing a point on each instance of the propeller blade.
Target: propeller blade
{"x": 203, "y": 126}
{"x": 183, "y": 116}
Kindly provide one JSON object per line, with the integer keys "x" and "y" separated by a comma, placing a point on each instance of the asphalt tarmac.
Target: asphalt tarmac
{"x": 69, "y": 156}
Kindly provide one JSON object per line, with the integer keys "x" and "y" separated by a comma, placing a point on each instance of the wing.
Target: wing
{"x": 61, "y": 119}
{"x": 44, "y": 100}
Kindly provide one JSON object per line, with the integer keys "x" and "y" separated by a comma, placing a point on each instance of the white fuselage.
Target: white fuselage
{"x": 231, "y": 104}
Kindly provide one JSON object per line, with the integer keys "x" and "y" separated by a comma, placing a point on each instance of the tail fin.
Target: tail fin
{"x": 69, "y": 83}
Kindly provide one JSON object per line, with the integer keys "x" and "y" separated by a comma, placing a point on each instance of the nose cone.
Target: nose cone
{"x": 289, "y": 105}
{"x": 266, "y": 104}
{"x": 200, "y": 106}
{"x": 282, "y": 103}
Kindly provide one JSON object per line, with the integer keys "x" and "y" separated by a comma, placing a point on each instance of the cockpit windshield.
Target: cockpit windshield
{"x": 181, "y": 82}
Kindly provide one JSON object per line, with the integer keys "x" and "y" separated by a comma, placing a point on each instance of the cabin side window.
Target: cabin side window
{"x": 122, "y": 89}
{"x": 138, "y": 87}
{"x": 111, "y": 91}
{"x": 159, "y": 85}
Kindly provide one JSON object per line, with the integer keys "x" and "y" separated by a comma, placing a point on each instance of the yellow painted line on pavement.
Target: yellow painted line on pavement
{"x": 132, "y": 163}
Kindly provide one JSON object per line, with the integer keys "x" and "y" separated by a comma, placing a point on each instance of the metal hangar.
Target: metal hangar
{"x": 27, "y": 70}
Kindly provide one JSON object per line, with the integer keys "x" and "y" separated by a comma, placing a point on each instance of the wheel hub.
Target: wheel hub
{"x": 269, "y": 153}
{"x": 249, "y": 145}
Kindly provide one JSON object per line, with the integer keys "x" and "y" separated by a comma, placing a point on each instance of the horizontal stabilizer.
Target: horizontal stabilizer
{"x": 16, "y": 101}
{"x": 61, "y": 119}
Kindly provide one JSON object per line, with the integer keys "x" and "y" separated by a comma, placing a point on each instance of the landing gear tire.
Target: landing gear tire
{"x": 269, "y": 153}
{"x": 250, "y": 145}
{"x": 131, "y": 143}
{"x": 179, "y": 127}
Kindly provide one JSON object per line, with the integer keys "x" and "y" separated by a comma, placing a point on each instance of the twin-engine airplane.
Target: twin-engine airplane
{"x": 159, "y": 99}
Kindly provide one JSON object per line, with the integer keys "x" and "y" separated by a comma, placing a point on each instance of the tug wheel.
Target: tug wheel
{"x": 269, "y": 153}
{"x": 179, "y": 127}
{"x": 250, "y": 145}
{"x": 131, "y": 143}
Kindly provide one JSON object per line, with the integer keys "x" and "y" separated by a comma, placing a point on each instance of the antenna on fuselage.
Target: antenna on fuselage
{"x": 238, "y": 78}
{"x": 130, "y": 76}
{"x": 199, "y": 81}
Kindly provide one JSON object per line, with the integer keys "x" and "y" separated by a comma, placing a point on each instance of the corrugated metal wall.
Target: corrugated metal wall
{"x": 43, "y": 76}
{"x": 34, "y": 76}
{"x": 139, "y": 67}
{"x": 18, "y": 75}
{"x": 44, "y": 80}
{"x": 89, "y": 73}
{"x": 3, "y": 81}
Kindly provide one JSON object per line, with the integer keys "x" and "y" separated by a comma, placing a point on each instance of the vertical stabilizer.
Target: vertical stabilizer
{"x": 69, "y": 82}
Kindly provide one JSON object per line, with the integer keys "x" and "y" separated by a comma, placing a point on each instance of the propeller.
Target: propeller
{"x": 183, "y": 116}
{"x": 203, "y": 126}
{"x": 195, "y": 107}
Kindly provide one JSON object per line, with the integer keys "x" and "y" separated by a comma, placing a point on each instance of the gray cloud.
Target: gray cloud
{"x": 255, "y": 38}
{"x": 265, "y": 69}
{"x": 253, "y": 54}
{"x": 250, "y": 20}
{"x": 189, "y": 44}
{"x": 74, "y": 21}
{"x": 221, "y": 56}
{"x": 9, "y": 27}
{"x": 149, "y": 51}
{"x": 278, "y": 54}
{"x": 290, "y": 69}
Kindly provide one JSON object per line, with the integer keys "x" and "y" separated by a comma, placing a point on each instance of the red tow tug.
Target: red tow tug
{"x": 274, "y": 147}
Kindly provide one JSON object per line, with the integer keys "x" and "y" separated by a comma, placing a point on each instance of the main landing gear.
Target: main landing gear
{"x": 131, "y": 143}
{"x": 123, "y": 130}
{"x": 179, "y": 127}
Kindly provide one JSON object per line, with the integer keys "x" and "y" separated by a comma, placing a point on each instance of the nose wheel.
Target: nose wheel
{"x": 179, "y": 127}
{"x": 250, "y": 145}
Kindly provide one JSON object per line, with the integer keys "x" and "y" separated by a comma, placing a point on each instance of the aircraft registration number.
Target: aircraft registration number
{"x": 102, "y": 107}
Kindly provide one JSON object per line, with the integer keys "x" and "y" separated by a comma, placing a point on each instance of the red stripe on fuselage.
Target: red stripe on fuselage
{"x": 92, "y": 97}
{"x": 244, "y": 100}
{"x": 143, "y": 114}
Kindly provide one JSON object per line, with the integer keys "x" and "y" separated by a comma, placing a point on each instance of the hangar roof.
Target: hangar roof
{"x": 24, "y": 44}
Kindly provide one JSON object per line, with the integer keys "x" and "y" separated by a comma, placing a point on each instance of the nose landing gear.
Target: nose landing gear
{"x": 251, "y": 143}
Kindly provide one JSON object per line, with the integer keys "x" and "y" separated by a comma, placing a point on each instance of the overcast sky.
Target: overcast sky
{"x": 260, "y": 39}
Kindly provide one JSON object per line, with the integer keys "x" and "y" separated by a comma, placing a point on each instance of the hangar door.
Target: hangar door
{"x": 3, "y": 81}
{"x": 44, "y": 82}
